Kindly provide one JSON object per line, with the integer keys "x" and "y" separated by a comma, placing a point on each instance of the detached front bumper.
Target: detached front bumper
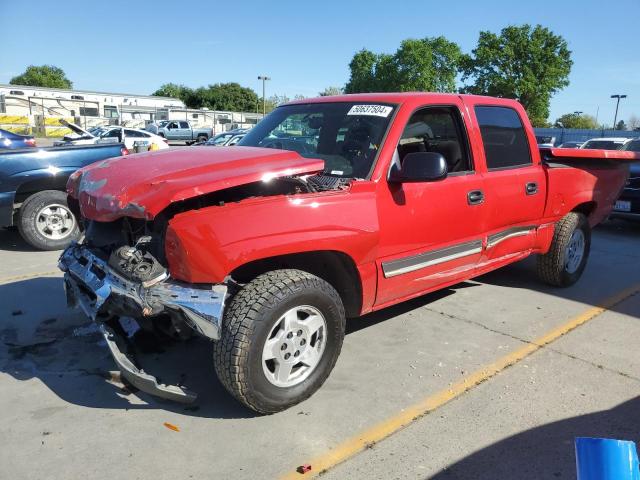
{"x": 101, "y": 293}
{"x": 94, "y": 286}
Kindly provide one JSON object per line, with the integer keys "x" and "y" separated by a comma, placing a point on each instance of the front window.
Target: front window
{"x": 115, "y": 133}
{"x": 346, "y": 135}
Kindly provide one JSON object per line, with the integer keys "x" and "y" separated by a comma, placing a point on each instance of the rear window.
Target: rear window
{"x": 505, "y": 141}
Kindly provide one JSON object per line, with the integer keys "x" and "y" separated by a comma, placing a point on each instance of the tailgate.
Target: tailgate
{"x": 590, "y": 180}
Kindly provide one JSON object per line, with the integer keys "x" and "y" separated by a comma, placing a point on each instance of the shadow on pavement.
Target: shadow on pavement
{"x": 11, "y": 241}
{"x": 546, "y": 452}
{"x": 67, "y": 353}
{"x": 617, "y": 277}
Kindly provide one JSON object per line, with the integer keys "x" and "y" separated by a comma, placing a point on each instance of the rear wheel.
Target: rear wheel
{"x": 565, "y": 261}
{"x": 281, "y": 337}
{"x": 45, "y": 221}
{"x": 201, "y": 138}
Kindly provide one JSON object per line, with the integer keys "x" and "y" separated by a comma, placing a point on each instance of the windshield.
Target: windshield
{"x": 601, "y": 145}
{"x": 346, "y": 135}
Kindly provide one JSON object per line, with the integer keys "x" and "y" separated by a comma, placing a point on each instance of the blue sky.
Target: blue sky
{"x": 134, "y": 46}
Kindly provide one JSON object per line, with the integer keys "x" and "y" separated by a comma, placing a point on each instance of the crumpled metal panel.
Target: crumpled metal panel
{"x": 142, "y": 185}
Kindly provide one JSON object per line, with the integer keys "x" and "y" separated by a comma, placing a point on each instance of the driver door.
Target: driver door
{"x": 431, "y": 232}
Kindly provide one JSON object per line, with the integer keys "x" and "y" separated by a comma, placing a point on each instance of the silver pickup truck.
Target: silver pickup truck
{"x": 180, "y": 130}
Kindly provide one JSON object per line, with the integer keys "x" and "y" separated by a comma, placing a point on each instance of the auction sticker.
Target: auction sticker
{"x": 372, "y": 110}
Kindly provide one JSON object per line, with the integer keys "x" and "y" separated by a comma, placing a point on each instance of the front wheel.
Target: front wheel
{"x": 281, "y": 337}
{"x": 565, "y": 261}
{"x": 46, "y": 222}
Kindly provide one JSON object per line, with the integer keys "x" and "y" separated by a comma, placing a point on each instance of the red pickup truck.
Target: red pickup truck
{"x": 328, "y": 209}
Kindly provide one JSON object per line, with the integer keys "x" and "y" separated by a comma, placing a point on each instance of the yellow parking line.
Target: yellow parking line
{"x": 365, "y": 439}
{"x": 28, "y": 276}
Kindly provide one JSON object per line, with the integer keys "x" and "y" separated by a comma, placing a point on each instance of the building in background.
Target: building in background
{"x": 38, "y": 110}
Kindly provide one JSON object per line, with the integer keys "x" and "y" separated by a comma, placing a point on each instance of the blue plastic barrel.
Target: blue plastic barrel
{"x": 606, "y": 459}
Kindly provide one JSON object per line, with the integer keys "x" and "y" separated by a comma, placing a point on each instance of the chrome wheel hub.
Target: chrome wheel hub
{"x": 55, "y": 222}
{"x": 574, "y": 252}
{"x": 294, "y": 346}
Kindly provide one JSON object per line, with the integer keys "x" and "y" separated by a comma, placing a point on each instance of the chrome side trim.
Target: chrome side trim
{"x": 512, "y": 232}
{"x": 427, "y": 259}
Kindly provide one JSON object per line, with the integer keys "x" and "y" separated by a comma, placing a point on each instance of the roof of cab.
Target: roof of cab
{"x": 399, "y": 97}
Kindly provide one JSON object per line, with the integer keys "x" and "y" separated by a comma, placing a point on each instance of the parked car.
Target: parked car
{"x": 10, "y": 140}
{"x": 183, "y": 131}
{"x": 571, "y": 145}
{"x": 605, "y": 143}
{"x": 334, "y": 207}
{"x": 544, "y": 141}
{"x": 224, "y": 138}
{"x": 32, "y": 191}
{"x": 129, "y": 136}
{"x": 628, "y": 205}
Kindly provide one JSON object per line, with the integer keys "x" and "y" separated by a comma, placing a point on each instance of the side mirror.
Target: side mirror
{"x": 420, "y": 167}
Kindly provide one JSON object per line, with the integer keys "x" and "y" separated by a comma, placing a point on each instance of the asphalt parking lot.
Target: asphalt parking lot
{"x": 502, "y": 373}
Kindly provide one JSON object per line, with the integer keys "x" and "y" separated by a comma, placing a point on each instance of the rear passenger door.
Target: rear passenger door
{"x": 185, "y": 131}
{"x": 514, "y": 181}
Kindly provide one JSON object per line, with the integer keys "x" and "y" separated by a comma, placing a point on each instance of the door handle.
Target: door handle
{"x": 531, "y": 188}
{"x": 475, "y": 197}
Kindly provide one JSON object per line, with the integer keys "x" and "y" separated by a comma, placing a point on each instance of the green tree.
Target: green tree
{"x": 43, "y": 76}
{"x": 571, "y": 120}
{"x": 172, "y": 90}
{"x": 331, "y": 91}
{"x": 220, "y": 96}
{"x": 363, "y": 72}
{"x": 428, "y": 64}
{"x": 621, "y": 125}
{"x": 230, "y": 96}
{"x": 525, "y": 63}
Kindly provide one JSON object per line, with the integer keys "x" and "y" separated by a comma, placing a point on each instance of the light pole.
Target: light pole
{"x": 615, "y": 118}
{"x": 577, "y": 113}
{"x": 264, "y": 78}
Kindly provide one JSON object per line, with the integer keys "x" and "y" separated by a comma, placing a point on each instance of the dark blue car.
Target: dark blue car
{"x": 32, "y": 190}
{"x": 628, "y": 205}
{"x": 13, "y": 140}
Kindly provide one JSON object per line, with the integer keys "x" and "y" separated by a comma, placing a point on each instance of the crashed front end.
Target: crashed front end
{"x": 132, "y": 283}
{"x": 100, "y": 290}
{"x": 127, "y": 205}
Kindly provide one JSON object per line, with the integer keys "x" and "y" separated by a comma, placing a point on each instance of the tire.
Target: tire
{"x": 59, "y": 233}
{"x": 250, "y": 320}
{"x": 560, "y": 266}
{"x": 202, "y": 138}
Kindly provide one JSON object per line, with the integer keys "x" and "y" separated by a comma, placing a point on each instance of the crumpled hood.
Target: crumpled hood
{"x": 143, "y": 185}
